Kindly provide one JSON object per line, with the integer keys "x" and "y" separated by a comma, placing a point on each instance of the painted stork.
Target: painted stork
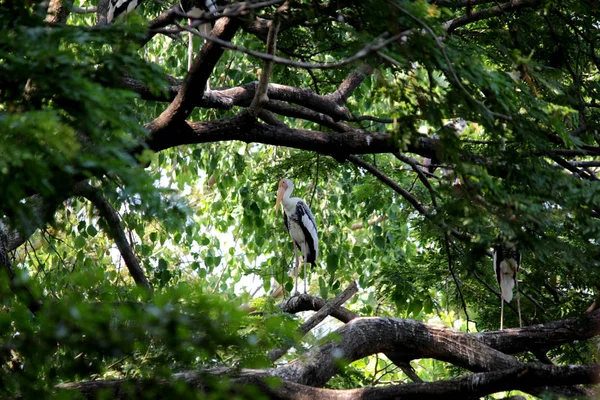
{"x": 300, "y": 223}
{"x": 195, "y": 9}
{"x": 117, "y": 8}
{"x": 507, "y": 261}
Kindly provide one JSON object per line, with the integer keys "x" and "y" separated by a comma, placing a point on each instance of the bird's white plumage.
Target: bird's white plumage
{"x": 296, "y": 225}
{"x": 507, "y": 283}
{"x": 196, "y": 9}
{"x": 196, "y": 12}
{"x": 507, "y": 260}
{"x": 300, "y": 223}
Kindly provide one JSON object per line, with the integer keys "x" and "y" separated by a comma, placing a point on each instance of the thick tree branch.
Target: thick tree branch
{"x": 116, "y": 232}
{"x": 247, "y": 130}
{"x": 305, "y": 303}
{"x": 543, "y": 336}
{"x": 300, "y": 303}
{"x": 411, "y": 339}
{"x": 195, "y": 81}
{"x": 58, "y": 11}
{"x": 525, "y": 378}
{"x": 332, "y": 105}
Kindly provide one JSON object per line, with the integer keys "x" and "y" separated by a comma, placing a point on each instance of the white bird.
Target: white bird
{"x": 300, "y": 223}
{"x": 117, "y": 8}
{"x": 507, "y": 261}
{"x": 196, "y": 9}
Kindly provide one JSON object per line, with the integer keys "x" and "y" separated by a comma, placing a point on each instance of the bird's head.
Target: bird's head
{"x": 284, "y": 186}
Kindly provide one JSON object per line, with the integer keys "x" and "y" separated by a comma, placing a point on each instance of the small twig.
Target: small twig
{"x": 404, "y": 193}
{"x": 369, "y": 48}
{"x": 580, "y": 173}
{"x": 118, "y": 361}
{"x": 451, "y": 267}
{"x": 455, "y": 77}
{"x": 420, "y": 175}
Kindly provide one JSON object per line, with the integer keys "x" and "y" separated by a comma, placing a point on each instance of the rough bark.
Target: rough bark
{"x": 523, "y": 378}
{"x": 407, "y": 339}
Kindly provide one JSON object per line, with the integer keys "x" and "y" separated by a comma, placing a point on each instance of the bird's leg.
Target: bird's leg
{"x": 297, "y": 269}
{"x": 205, "y": 28}
{"x": 518, "y": 297}
{"x": 190, "y": 46}
{"x": 501, "y": 310}
{"x": 304, "y": 275}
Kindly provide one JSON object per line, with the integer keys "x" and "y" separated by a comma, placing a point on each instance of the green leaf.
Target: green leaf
{"x": 332, "y": 262}
{"x": 80, "y": 242}
{"x": 91, "y": 230}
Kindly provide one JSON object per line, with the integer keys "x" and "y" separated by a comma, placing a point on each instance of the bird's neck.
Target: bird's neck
{"x": 289, "y": 203}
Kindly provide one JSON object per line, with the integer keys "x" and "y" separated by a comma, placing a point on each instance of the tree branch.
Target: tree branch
{"x": 260, "y": 96}
{"x": 512, "y": 5}
{"x": 318, "y": 317}
{"x": 404, "y": 193}
{"x": 525, "y": 378}
{"x": 195, "y": 81}
{"x": 17, "y": 280}
{"x": 115, "y": 231}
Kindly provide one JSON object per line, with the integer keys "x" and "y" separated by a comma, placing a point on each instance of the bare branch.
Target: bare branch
{"x": 319, "y": 316}
{"x": 371, "y": 47}
{"x": 525, "y": 378}
{"x": 306, "y": 302}
{"x": 420, "y": 174}
{"x": 260, "y": 96}
{"x": 352, "y": 81}
{"x": 196, "y": 79}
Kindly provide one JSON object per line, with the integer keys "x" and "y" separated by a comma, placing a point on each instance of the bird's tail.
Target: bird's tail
{"x": 507, "y": 284}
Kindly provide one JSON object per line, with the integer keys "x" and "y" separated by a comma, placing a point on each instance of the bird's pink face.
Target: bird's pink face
{"x": 282, "y": 188}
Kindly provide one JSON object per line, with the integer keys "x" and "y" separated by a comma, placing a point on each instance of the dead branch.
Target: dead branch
{"x": 323, "y": 312}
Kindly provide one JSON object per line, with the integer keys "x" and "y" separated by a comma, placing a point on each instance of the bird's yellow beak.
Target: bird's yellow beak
{"x": 280, "y": 193}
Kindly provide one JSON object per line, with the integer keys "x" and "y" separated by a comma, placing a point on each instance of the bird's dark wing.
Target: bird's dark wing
{"x": 498, "y": 257}
{"x": 118, "y": 7}
{"x": 306, "y": 220}
{"x": 285, "y": 221}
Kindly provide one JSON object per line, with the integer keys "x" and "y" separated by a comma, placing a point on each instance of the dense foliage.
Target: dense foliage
{"x": 97, "y": 160}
